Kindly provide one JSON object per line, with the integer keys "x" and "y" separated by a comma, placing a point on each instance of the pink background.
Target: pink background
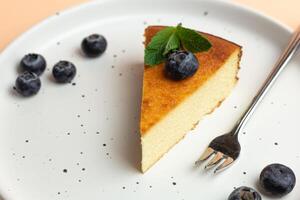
{"x": 16, "y": 16}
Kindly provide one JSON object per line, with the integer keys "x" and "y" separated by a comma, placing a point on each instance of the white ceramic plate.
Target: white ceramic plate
{"x": 35, "y": 146}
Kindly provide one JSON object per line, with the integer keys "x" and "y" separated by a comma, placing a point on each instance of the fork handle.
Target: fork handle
{"x": 284, "y": 59}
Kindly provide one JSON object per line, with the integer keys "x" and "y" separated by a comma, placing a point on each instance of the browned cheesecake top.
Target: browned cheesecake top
{"x": 161, "y": 95}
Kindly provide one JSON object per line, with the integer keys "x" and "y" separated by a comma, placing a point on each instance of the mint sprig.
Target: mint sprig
{"x": 174, "y": 38}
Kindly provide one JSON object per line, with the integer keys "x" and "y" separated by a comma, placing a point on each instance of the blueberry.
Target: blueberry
{"x": 277, "y": 179}
{"x": 181, "y": 65}
{"x": 64, "y": 71}
{"x": 33, "y": 62}
{"x": 94, "y": 45}
{"x": 244, "y": 193}
{"x": 28, "y": 84}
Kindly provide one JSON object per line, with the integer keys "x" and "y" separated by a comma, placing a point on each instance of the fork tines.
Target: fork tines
{"x": 217, "y": 158}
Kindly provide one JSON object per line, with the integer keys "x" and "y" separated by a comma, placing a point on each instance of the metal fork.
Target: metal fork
{"x": 226, "y": 148}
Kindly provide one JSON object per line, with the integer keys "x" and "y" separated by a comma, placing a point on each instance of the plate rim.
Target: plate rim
{"x": 73, "y": 9}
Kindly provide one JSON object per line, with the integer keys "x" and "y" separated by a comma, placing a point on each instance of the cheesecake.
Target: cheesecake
{"x": 170, "y": 109}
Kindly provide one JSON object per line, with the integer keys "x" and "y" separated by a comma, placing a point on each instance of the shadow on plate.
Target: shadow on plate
{"x": 129, "y": 150}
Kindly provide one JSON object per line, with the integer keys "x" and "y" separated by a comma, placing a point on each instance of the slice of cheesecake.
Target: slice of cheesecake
{"x": 170, "y": 109}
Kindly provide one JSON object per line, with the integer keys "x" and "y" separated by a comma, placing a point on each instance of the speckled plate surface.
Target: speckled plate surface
{"x": 80, "y": 141}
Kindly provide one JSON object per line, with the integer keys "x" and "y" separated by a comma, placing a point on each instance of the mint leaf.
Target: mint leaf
{"x": 171, "y": 38}
{"x": 154, "y": 52}
{"x": 192, "y": 40}
{"x": 153, "y": 56}
{"x": 172, "y": 44}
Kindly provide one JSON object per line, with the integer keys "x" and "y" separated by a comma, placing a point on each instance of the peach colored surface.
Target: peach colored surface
{"x": 16, "y": 16}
